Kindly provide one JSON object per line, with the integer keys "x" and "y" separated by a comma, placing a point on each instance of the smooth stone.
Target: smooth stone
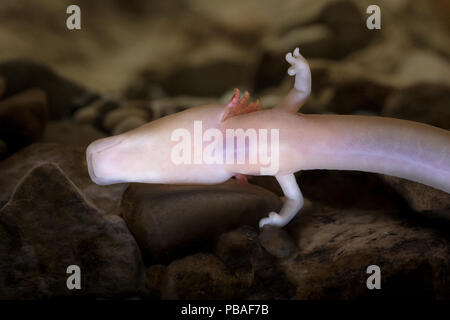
{"x": 277, "y": 242}
{"x": 47, "y": 226}
{"x": 72, "y": 160}
{"x": 165, "y": 219}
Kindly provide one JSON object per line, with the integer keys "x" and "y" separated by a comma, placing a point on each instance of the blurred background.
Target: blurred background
{"x": 134, "y": 61}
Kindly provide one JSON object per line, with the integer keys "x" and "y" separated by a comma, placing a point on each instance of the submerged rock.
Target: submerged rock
{"x": 153, "y": 280}
{"x": 72, "y": 161}
{"x": 46, "y": 227}
{"x": 23, "y": 118}
{"x": 277, "y": 241}
{"x": 201, "y": 276}
{"x": 335, "y": 247}
{"x": 255, "y": 269}
{"x": 420, "y": 197}
{"x": 167, "y": 218}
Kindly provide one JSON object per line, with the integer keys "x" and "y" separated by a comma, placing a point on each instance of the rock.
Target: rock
{"x": 64, "y": 96}
{"x": 23, "y": 118}
{"x": 95, "y": 112}
{"x": 72, "y": 160}
{"x": 153, "y": 281}
{"x": 47, "y": 227}
{"x": 241, "y": 252}
{"x": 201, "y": 276}
{"x": 70, "y": 133}
{"x": 421, "y": 198}
{"x": 253, "y": 267}
{"x": 277, "y": 242}
{"x": 335, "y": 247}
{"x": 167, "y": 219}
{"x": 128, "y": 124}
{"x": 425, "y": 102}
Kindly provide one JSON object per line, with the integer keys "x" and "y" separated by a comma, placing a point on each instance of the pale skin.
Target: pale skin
{"x": 401, "y": 148}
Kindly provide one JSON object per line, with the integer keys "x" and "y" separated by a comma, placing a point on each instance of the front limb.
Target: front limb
{"x": 292, "y": 204}
{"x": 302, "y": 86}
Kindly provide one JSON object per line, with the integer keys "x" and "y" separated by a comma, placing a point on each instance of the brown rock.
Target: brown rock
{"x": 95, "y": 112}
{"x": 277, "y": 242}
{"x": 46, "y": 227}
{"x": 23, "y": 118}
{"x": 254, "y": 268}
{"x": 167, "y": 218}
{"x": 420, "y": 197}
{"x": 335, "y": 247}
{"x": 72, "y": 160}
{"x": 154, "y": 279}
{"x": 201, "y": 276}
{"x": 241, "y": 252}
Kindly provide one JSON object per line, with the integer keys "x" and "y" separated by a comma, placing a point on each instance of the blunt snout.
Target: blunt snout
{"x": 103, "y": 159}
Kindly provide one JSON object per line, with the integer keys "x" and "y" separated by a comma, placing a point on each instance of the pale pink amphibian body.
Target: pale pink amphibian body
{"x": 405, "y": 149}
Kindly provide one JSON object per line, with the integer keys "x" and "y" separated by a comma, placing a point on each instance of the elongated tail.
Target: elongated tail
{"x": 401, "y": 148}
